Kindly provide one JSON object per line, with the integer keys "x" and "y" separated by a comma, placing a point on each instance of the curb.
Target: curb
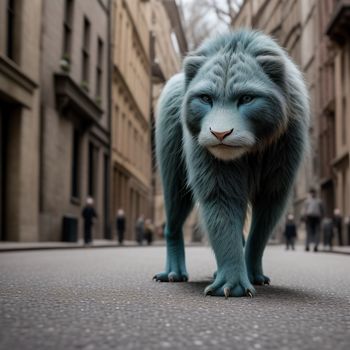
{"x": 81, "y": 246}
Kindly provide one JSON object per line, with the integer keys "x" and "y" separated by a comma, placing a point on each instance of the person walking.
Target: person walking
{"x": 88, "y": 215}
{"x": 149, "y": 230}
{"x": 290, "y": 232}
{"x": 313, "y": 213}
{"x": 140, "y": 229}
{"x": 327, "y": 230}
{"x": 338, "y": 225}
{"x": 120, "y": 225}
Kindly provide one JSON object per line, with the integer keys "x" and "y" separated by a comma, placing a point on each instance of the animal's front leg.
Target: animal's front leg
{"x": 224, "y": 226}
{"x": 264, "y": 220}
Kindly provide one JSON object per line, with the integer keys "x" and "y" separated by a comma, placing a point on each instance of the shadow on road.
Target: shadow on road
{"x": 271, "y": 292}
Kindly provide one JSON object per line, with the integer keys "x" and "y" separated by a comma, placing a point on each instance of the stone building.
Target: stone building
{"x": 168, "y": 46}
{"x": 316, "y": 35}
{"x": 293, "y": 24}
{"x": 325, "y": 112}
{"x": 74, "y": 116}
{"x": 131, "y": 124}
{"x": 19, "y": 119}
{"x": 147, "y": 44}
{"x": 336, "y": 21}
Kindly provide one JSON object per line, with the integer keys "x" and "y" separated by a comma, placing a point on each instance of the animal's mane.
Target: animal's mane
{"x": 254, "y": 43}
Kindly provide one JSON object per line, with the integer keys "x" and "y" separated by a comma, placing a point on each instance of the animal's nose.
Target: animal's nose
{"x": 221, "y": 135}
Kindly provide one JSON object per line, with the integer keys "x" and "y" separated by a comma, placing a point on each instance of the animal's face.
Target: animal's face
{"x": 232, "y": 105}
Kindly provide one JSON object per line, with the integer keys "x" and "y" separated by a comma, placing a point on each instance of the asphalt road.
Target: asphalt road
{"x": 106, "y": 299}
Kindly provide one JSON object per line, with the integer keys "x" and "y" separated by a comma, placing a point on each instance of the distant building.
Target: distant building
{"x": 316, "y": 35}
{"x": 20, "y": 27}
{"x": 293, "y": 24}
{"x": 131, "y": 123}
{"x": 336, "y": 22}
{"x": 168, "y": 46}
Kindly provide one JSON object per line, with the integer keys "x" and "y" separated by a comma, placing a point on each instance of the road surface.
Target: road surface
{"x": 106, "y": 299}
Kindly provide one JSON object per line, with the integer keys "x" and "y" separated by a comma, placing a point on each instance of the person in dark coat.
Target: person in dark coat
{"x": 338, "y": 225}
{"x": 149, "y": 230}
{"x": 88, "y": 214}
{"x": 140, "y": 229}
{"x": 120, "y": 225}
{"x": 313, "y": 214}
{"x": 290, "y": 232}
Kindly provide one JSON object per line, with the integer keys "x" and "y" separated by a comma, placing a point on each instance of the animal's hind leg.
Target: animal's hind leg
{"x": 178, "y": 203}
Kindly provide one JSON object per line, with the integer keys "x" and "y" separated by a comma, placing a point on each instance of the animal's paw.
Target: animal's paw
{"x": 259, "y": 279}
{"x": 171, "y": 277}
{"x": 230, "y": 286}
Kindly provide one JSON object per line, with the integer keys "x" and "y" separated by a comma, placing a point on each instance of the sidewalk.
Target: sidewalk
{"x": 104, "y": 243}
{"x": 97, "y": 243}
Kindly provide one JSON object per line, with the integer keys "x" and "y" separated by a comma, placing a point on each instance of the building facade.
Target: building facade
{"x": 74, "y": 116}
{"x": 316, "y": 35}
{"x": 293, "y": 24}
{"x": 78, "y": 88}
{"x": 20, "y": 26}
{"x": 336, "y": 21}
{"x": 168, "y": 46}
{"x": 131, "y": 124}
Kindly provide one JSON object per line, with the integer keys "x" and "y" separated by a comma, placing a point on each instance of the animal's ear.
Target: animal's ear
{"x": 191, "y": 66}
{"x": 274, "y": 67}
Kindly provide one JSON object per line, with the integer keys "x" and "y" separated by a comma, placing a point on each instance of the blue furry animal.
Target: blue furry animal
{"x": 230, "y": 130}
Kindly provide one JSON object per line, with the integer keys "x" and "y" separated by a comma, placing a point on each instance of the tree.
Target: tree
{"x": 208, "y": 17}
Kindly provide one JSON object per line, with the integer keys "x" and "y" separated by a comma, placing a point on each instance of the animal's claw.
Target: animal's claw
{"x": 208, "y": 291}
{"x": 249, "y": 293}
{"x": 227, "y": 292}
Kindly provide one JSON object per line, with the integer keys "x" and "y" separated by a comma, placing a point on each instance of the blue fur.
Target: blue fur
{"x": 245, "y": 82}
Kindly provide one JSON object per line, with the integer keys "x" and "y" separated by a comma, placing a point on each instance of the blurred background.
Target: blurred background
{"x": 79, "y": 84}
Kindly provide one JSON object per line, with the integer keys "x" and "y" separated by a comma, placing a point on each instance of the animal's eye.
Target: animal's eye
{"x": 245, "y": 99}
{"x": 206, "y": 99}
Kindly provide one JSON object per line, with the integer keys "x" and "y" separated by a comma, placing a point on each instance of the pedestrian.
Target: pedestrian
{"x": 327, "y": 230}
{"x": 313, "y": 213}
{"x": 338, "y": 225}
{"x": 140, "y": 229}
{"x": 290, "y": 232}
{"x": 149, "y": 230}
{"x": 88, "y": 215}
{"x": 120, "y": 225}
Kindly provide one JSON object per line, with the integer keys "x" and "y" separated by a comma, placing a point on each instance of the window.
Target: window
{"x": 75, "y": 163}
{"x": 11, "y": 33}
{"x": 67, "y": 29}
{"x": 86, "y": 54}
{"x": 99, "y": 68}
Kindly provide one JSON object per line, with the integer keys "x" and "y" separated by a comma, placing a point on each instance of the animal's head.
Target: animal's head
{"x": 235, "y": 97}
